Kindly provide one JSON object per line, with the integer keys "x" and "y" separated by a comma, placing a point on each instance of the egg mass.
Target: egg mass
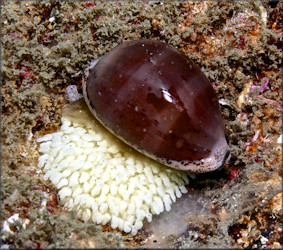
{"x": 154, "y": 98}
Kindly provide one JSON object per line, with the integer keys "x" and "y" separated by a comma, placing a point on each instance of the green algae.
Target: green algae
{"x": 22, "y": 194}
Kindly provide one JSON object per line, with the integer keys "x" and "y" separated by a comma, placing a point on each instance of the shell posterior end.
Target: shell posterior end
{"x": 219, "y": 156}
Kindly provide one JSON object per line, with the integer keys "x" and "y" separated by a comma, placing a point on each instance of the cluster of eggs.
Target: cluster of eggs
{"x": 102, "y": 178}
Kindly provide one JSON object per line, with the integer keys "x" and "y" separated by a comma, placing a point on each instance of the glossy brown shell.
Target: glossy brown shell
{"x": 157, "y": 100}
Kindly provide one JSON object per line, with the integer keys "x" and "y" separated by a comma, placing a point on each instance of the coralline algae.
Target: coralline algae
{"x": 101, "y": 177}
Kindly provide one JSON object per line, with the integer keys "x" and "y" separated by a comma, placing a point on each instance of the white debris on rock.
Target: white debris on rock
{"x": 104, "y": 179}
{"x": 280, "y": 140}
{"x": 72, "y": 93}
{"x": 12, "y": 222}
